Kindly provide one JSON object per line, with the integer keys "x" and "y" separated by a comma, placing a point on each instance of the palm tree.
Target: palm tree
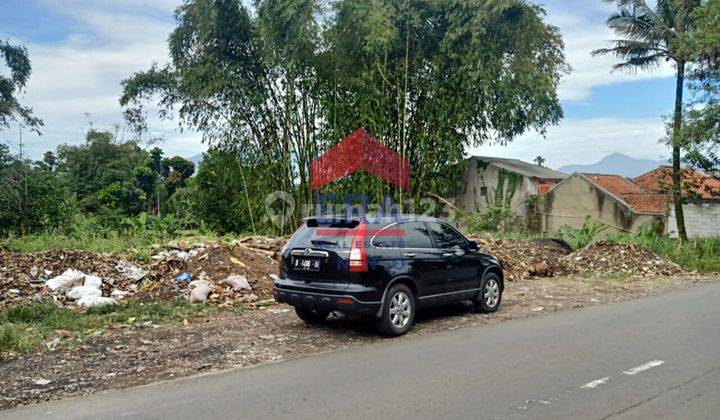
{"x": 649, "y": 37}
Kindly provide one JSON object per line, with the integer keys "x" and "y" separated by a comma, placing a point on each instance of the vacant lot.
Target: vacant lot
{"x": 128, "y": 354}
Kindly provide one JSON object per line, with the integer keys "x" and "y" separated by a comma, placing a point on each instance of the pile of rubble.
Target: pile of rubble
{"x": 522, "y": 259}
{"x": 548, "y": 257}
{"x": 215, "y": 273}
{"x": 243, "y": 272}
{"x": 612, "y": 258}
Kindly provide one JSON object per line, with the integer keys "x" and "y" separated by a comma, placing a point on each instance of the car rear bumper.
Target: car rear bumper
{"x": 349, "y": 299}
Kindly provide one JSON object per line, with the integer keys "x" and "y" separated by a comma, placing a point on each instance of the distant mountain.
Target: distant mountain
{"x": 617, "y": 164}
{"x": 196, "y": 160}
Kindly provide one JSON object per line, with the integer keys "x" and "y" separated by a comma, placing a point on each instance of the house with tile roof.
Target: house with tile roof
{"x": 510, "y": 182}
{"x": 609, "y": 200}
{"x": 702, "y": 199}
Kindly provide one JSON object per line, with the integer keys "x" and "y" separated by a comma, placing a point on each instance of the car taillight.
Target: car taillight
{"x": 358, "y": 255}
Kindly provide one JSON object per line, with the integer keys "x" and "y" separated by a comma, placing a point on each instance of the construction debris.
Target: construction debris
{"x": 550, "y": 257}
{"x": 611, "y": 258}
{"x": 243, "y": 272}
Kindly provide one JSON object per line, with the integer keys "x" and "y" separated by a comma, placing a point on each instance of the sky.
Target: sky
{"x": 82, "y": 49}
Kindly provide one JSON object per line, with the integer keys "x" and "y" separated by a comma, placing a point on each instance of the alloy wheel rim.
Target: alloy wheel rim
{"x": 400, "y": 308}
{"x": 491, "y": 293}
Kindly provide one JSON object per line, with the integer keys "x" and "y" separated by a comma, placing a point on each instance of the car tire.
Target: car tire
{"x": 490, "y": 296}
{"x": 398, "y": 311}
{"x": 311, "y": 316}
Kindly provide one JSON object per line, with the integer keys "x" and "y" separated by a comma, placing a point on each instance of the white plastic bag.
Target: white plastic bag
{"x": 130, "y": 270}
{"x": 65, "y": 281}
{"x": 199, "y": 291}
{"x": 79, "y": 292}
{"x": 238, "y": 282}
{"x": 92, "y": 281}
{"x": 95, "y": 301}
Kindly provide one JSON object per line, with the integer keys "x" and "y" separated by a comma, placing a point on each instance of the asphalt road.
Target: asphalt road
{"x": 653, "y": 357}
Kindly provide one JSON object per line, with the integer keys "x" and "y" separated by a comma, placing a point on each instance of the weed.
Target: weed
{"x": 25, "y": 327}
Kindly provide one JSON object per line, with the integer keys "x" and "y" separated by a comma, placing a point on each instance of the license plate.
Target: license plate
{"x": 307, "y": 264}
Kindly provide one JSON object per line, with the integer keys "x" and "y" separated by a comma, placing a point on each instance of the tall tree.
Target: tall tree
{"x": 428, "y": 78}
{"x": 18, "y": 63}
{"x": 651, "y": 36}
{"x": 701, "y": 130}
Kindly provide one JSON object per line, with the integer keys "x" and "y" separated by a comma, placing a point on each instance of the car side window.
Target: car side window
{"x": 447, "y": 237}
{"x": 388, "y": 238}
{"x": 415, "y": 235}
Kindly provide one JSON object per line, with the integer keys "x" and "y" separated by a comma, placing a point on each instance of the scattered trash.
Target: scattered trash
{"x": 52, "y": 344}
{"x": 119, "y": 294}
{"x": 237, "y": 262}
{"x": 199, "y": 291}
{"x": 130, "y": 270}
{"x": 92, "y": 281}
{"x": 183, "y": 278}
{"x": 78, "y": 292}
{"x": 95, "y": 301}
{"x": 239, "y": 283}
{"x": 43, "y": 382}
{"x": 65, "y": 281}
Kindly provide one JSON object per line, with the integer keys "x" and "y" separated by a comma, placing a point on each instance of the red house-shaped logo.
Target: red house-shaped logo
{"x": 358, "y": 151}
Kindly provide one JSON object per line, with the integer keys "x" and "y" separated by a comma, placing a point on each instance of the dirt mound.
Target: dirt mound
{"x": 522, "y": 259}
{"x": 612, "y": 258}
{"x": 23, "y": 276}
{"x": 215, "y": 263}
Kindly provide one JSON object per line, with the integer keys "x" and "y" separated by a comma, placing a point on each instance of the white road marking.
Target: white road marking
{"x": 596, "y": 383}
{"x": 646, "y": 366}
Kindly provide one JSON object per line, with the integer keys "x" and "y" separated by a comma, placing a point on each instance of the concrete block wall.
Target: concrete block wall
{"x": 702, "y": 220}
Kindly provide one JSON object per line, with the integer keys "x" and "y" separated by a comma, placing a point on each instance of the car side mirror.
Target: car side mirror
{"x": 473, "y": 246}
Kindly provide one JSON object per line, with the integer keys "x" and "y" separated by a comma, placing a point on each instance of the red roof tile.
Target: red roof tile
{"x": 615, "y": 184}
{"x": 647, "y": 203}
{"x": 694, "y": 184}
{"x": 633, "y": 195}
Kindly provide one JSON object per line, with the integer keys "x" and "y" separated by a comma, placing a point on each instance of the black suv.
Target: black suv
{"x": 384, "y": 268}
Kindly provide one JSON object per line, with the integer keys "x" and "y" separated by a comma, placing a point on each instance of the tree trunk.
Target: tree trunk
{"x": 676, "y": 142}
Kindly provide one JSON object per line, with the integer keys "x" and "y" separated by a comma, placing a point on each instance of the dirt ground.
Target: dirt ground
{"x": 125, "y": 356}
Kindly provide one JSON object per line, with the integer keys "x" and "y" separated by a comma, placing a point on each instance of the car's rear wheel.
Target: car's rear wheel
{"x": 311, "y": 316}
{"x": 490, "y": 296}
{"x": 398, "y": 311}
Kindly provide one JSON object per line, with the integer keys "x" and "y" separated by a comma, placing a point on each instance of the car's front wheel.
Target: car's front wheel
{"x": 311, "y": 316}
{"x": 488, "y": 300}
{"x": 398, "y": 311}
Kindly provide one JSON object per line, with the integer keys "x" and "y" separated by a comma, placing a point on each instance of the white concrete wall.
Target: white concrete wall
{"x": 702, "y": 220}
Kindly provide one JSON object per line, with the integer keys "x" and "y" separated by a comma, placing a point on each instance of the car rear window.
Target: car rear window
{"x": 318, "y": 234}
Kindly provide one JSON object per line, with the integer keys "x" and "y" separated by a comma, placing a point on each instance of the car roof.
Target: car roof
{"x": 376, "y": 219}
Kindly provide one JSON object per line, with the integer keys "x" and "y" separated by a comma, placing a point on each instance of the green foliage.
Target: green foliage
{"x": 698, "y": 254}
{"x": 105, "y": 172}
{"x": 490, "y": 219}
{"x": 279, "y": 87}
{"x": 649, "y": 35}
{"x": 580, "y": 238}
{"x": 701, "y": 128}
{"x": 32, "y": 198}
{"x": 16, "y": 59}
{"x": 219, "y": 199}
{"x": 28, "y": 326}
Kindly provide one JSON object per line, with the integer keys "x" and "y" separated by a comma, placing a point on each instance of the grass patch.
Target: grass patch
{"x": 28, "y": 326}
{"x": 139, "y": 246}
{"x": 701, "y": 255}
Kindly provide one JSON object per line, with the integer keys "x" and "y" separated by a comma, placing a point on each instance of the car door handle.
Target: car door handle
{"x": 409, "y": 255}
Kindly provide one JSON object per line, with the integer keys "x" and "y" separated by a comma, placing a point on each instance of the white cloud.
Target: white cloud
{"x": 585, "y": 141}
{"x": 81, "y": 73}
{"x": 582, "y": 23}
